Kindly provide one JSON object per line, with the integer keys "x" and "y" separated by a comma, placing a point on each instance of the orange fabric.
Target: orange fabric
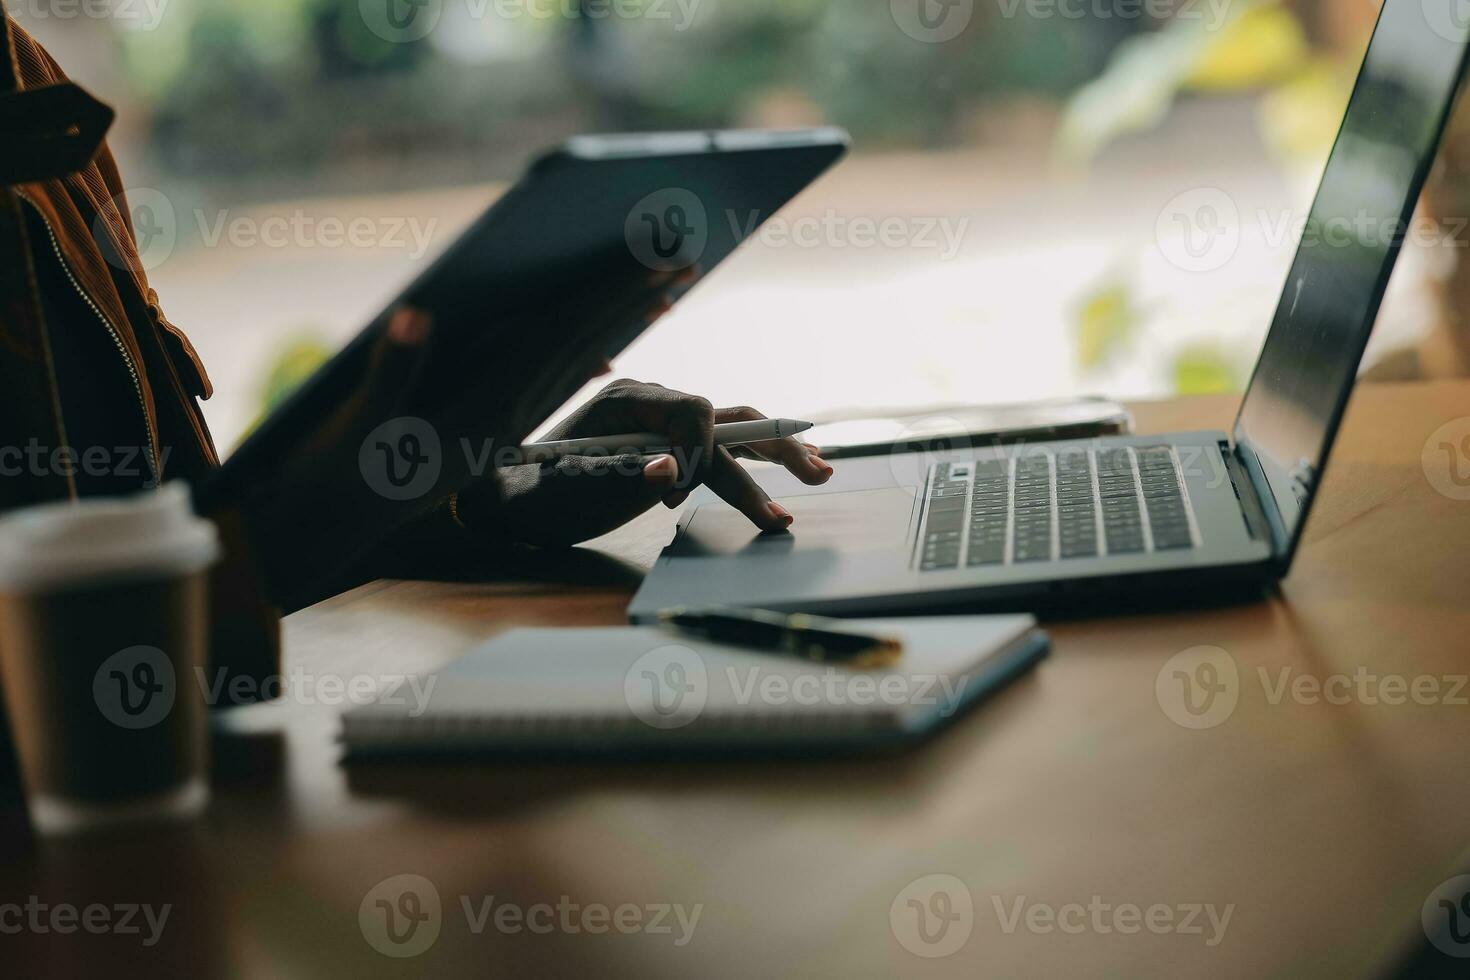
{"x": 87, "y": 209}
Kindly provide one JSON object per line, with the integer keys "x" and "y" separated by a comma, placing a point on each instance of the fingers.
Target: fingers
{"x": 736, "y": 487}
{"x": 688, "y": 420}
{"x": 800, "y": 458}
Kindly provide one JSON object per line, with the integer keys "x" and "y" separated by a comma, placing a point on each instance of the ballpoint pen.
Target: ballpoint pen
{"x": 798, "y": 635}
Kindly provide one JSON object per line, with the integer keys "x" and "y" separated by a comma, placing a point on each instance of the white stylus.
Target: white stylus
{"x": 726, "y": 434}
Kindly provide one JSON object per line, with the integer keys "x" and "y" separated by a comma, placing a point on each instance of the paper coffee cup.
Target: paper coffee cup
{"x": 103, "y": 626}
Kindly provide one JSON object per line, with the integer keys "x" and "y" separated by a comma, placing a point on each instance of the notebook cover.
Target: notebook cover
{"x": 645, "y": 690}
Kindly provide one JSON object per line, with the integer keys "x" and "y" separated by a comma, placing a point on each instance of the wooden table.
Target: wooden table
{"x": 1321, "y": 827}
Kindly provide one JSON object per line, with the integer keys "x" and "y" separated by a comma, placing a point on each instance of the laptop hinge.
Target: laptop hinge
{"x": 1254, "y": 496}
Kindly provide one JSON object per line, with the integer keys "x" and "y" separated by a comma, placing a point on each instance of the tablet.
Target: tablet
{"x": 548, "y": 280}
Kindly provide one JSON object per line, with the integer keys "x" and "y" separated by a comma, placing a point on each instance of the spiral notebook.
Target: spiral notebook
{"x": 641, "y": 690}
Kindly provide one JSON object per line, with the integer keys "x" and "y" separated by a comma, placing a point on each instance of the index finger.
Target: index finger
{"x": 736, "y": 487}
{"x": 791, "y": 453}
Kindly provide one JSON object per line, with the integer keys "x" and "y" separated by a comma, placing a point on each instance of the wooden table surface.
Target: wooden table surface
{"x": 1073, "y": 826}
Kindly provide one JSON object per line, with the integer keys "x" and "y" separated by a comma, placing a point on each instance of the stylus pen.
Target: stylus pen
{"x": 726, "y": 434}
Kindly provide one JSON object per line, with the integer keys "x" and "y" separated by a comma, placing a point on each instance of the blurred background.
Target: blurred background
{"x": 1075, "y": 196}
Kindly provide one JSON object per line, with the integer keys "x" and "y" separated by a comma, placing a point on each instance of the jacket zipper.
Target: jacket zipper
{"x": 148, "y": 448}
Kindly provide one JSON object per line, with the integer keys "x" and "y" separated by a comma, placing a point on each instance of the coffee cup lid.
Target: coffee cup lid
{"x": 55, "y": 545}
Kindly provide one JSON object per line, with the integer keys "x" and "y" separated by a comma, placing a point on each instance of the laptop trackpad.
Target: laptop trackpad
{"x": 826, "y": 523}
{"x": 842, "y": 544}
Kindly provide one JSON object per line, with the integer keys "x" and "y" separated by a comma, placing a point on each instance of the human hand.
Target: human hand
{"x": 581, "y": 497}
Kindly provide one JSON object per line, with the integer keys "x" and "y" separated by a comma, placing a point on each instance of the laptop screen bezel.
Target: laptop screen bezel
{"x": 1286, "y": 541}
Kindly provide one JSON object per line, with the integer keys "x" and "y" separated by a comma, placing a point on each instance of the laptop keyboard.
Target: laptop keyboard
{"x": 1077, "y": 503}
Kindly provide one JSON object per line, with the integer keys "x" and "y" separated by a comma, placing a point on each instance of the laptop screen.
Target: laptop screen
{"x": 1351, "y": 237}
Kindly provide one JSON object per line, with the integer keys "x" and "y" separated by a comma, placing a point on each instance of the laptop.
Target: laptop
{"x": 1184, "y": 516}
